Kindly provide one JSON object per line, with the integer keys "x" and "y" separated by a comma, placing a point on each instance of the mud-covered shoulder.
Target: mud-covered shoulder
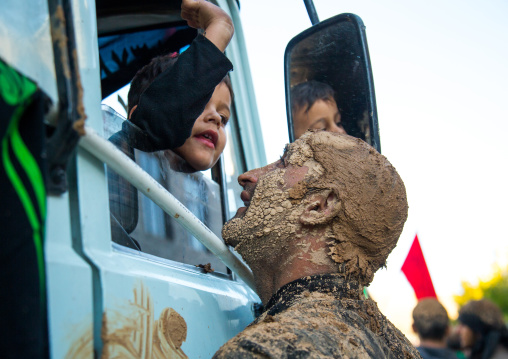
{"x": 320, "y": 326}
{"x": 396, "y": 342}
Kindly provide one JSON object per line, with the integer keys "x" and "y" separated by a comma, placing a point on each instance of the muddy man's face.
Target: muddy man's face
{"x": 271, "y": 196}
{"x": 361, "y": 209}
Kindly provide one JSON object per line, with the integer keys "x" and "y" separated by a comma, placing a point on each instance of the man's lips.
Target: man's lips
{"x": 245, "y": 197}
{"x": 208, "y": 138}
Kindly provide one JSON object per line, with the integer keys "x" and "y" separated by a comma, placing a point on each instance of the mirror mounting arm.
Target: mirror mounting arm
{"x": 311, "y": 10}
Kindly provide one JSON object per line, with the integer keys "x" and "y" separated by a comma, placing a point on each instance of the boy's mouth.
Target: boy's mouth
{"x": 208, "y": 138}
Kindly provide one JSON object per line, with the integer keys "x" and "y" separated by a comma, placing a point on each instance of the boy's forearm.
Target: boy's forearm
{"x": 220, "y": 33}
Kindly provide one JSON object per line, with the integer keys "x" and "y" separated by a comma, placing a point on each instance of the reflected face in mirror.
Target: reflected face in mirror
{"x": 208, "y": 138}
{"x": 314, "y": 108}
{"x": 322, "y": 115}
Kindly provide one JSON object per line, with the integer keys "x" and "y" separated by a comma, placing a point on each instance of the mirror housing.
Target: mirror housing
{"x": 335, "y": 52}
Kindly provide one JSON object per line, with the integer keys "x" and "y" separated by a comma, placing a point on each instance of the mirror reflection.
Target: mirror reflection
{"x": 314, "y": 107}
{"x": 329, "y": 81}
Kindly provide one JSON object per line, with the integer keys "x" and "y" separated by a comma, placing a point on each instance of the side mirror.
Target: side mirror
{"x": 334, "y": 52}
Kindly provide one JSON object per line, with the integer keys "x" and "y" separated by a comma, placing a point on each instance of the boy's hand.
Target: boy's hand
{"x": 201, "y": 14}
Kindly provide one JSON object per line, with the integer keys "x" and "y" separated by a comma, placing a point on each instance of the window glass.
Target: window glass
{"x": 137, "y": 222}
{"x": 234, "y": 163}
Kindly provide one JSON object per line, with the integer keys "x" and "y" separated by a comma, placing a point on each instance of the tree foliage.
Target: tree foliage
{"x": 494, "y": 287}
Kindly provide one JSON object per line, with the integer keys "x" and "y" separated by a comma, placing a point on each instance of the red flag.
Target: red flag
{"x": 417, "y": 273}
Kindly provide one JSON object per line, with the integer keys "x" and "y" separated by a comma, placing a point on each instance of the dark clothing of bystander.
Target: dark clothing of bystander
{"x": 436, "y": 353}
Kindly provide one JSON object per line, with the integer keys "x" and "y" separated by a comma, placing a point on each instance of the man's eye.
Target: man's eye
{"x": 283, "y": 158}
{"x": 282, "y": 163}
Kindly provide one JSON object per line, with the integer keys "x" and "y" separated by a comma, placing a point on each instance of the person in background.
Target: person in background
{"x": 314, "y": 108}
{"x": 453, "y": 342}
{"x": 483, "y": 332}
{"x": 431, "y": 324}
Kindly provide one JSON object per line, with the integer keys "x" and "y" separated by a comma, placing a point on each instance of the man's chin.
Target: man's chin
{"x": 232, "y": 228}
{"x": 240, "y": 212}
{"x": 229, "y": 239}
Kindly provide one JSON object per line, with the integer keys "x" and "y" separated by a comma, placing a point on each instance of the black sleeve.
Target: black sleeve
{"x": 169, "y": 107}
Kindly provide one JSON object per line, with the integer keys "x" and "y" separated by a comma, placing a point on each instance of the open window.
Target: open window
{"x": 137, "y": 222}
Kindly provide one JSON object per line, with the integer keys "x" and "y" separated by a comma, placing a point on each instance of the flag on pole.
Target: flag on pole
{"x": 416, "y": 271}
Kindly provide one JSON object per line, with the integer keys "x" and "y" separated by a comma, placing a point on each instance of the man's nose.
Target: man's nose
{"x": 247, "y": 177}
{"x": 254, "y": 175}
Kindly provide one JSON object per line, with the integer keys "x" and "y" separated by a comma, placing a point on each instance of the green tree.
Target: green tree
{"x": 494, "y": 287}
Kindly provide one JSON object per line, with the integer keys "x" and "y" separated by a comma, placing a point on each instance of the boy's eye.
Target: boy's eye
{"x": 318, "y": 125}
{"x": 224, "y": 119}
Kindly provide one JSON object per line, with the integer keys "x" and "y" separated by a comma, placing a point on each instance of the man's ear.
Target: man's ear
{"x": 322, "y": 208}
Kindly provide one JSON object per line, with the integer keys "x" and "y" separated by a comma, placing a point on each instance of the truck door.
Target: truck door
{"x": 132, "y": 286}
{"x": 151, "y": 297}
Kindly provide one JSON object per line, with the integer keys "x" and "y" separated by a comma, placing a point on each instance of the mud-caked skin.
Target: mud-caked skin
{"x": 331, "y": 204}
{"x": 316, "y": 226}
{"x": 321, "y": 316}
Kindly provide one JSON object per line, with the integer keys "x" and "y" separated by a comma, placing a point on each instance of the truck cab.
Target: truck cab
{"x": 123, "y": 278}
{"x": 124, "y": 255}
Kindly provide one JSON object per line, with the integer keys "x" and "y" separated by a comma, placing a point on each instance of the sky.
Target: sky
{"x": 440, "y": 75}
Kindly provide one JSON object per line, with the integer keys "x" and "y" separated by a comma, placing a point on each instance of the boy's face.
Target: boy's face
{"x": 208, "y": 137}
{"x": 322, "y": 115}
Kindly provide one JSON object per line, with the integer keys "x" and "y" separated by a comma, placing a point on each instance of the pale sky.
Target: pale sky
{"x": 441, "y": 76}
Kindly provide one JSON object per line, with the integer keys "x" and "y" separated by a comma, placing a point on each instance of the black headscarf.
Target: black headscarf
{"x": 486, "y": 320}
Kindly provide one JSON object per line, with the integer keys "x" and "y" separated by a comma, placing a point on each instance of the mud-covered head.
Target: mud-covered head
{"x": 374, "y": 204}
{"x": 430, "y": 319}
{"x": 326, "y": 184}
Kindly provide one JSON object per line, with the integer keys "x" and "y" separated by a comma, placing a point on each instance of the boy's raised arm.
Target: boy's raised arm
{"x": 201, "y": 14}
{"x": 169, "y": 107}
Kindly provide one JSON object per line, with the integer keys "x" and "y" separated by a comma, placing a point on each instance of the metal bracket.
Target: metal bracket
{"x": 68, "y": 126}
{"x": 311, "y": 10}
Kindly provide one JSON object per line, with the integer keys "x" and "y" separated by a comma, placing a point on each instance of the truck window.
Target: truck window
{"x": 137, "y": 222}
